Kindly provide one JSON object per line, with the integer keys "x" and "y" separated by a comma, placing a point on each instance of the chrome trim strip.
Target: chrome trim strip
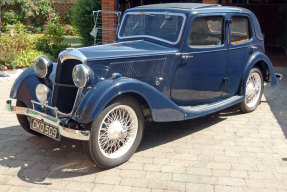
{"x": 152, "y": 37}
{"x": 133, "y": 56}
{"x": 72, "y": 53}
{"x": 64, "y": 131}
{"x": 65, "y": 85}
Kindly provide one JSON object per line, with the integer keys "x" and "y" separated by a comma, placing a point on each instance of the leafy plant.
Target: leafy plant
{"x": 82, "y": 18}
{"x": 52, "y": 42}
{"x": 68, "y": 30}
{"x": 10, "y": 17}
{"x": 29, "y": 12}
{"x": 68, "y": 18}
{"x": 13, "y": 50}
{"x": 27, "y": 58}
{"x": 20, "y": 28}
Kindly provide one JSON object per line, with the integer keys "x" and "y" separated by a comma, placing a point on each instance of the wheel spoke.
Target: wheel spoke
{"x": 118, "y": 131}
{"x": 253, "y": 89}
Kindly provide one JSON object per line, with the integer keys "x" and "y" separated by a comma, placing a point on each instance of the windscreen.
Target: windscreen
{"x": 159, "y": 25}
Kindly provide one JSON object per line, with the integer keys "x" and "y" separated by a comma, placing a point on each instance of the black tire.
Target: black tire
{"x": 92, "y": 147}
{"x": 243, "y": 105}
{"x": 23, "y": 120}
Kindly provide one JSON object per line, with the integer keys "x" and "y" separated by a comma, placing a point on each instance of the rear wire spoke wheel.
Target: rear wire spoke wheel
{"x": 253, "y": 91}
{"x": 116, "y": 133}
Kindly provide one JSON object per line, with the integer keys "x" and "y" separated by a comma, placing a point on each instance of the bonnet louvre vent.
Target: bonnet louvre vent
{"x": 138, "y": 68}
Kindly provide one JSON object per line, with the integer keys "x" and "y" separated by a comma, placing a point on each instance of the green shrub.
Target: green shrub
{"x": 82, "y": 18}
{"x": 10, "y": 17}
{"x": 12, "y": 47}
{"x": 68, "y": 16}
{"x": 20, "y": 27}
{"x": 68, "y": 30}
{"x": 31, "y": 13}
{"x": 52, "y": 42}
{"x": 27, "y": 58}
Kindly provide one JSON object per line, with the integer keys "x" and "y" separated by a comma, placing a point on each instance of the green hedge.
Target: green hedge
{"x": 82, "y": 18}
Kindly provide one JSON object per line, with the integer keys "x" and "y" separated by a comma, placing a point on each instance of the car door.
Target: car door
{"x": 240, "y": 49}
{"x": 200, "y": 77}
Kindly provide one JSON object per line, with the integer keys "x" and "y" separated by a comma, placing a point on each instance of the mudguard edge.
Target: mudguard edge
{"x": 255, "y": 58}
{"x": 98, "y": 97}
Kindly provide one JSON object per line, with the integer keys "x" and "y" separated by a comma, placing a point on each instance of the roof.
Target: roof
{"x": 179, "y": 6}
{"x": 191, "y": 8}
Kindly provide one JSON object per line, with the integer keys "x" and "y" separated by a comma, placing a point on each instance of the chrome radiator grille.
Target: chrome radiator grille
{"x": 64, "y": 92}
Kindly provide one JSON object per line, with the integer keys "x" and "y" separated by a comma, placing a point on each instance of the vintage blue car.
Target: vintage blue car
{"x": 169, "y": 62}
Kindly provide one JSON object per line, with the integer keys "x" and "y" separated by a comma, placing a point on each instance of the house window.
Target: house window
{"x": 240, "y": 31}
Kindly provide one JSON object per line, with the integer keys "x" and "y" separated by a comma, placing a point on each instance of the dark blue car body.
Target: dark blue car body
{"x": 174, "y": 81}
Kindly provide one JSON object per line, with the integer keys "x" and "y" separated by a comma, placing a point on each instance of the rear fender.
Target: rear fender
{"x": 254, "y": 59}
{"x": 97, "y": 98}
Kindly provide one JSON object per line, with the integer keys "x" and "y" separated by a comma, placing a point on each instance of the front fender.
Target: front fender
{"x": 24, "y": 86}
{"x": 255, "y": 58}
{"x": 97, "y": 98}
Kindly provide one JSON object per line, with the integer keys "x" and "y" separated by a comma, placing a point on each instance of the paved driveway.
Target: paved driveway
{"x": 226, "y": 151}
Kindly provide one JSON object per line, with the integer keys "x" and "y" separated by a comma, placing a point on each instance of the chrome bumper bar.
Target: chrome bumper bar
{"x": 64, "y": 131}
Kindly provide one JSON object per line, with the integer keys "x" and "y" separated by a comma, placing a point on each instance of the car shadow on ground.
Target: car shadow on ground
{"x": 276, "y": 97}
{"x": 40, "y": 158}
{"x": 156, "y": 134}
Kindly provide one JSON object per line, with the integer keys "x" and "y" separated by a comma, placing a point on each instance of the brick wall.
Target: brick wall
{"x": 62, "y": 6}
{"x": 109, "y": 21}
{"x": 210, "y": 1}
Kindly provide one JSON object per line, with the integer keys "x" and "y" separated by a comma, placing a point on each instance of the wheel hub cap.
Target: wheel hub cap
{"x": 115, "y": 130}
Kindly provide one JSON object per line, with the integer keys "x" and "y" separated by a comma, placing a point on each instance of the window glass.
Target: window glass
{"x": 159, "y": 25}
{"x": 207, "y": 31}
{"x": 239, "y": 32}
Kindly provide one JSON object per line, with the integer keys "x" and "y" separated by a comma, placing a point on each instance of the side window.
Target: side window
{"x": 239, "y": 30}
{"x": 207, "y": 31}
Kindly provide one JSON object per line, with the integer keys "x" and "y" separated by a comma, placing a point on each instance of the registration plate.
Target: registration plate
{"x": 44, "y": 128}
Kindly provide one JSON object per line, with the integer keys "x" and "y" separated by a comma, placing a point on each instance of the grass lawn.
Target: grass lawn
{"x": 74, "y": 41}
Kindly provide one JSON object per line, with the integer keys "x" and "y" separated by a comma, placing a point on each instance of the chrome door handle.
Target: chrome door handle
{"x": 252, "y": 48}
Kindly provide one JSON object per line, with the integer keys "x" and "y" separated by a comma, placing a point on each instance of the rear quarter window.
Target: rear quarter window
{"x": 239, "y": 30}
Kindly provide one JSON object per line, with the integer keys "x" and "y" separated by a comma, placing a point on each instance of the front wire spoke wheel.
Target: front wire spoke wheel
{"x": 118, "y": 131}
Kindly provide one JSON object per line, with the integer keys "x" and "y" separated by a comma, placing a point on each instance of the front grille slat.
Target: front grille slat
{"x": 65, "y": 92}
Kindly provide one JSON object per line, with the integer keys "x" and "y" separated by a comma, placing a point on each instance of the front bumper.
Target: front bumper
{"x": 64, "y": 131}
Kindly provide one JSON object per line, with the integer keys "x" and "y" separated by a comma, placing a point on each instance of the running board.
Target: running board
{"x": 201, "y": 110}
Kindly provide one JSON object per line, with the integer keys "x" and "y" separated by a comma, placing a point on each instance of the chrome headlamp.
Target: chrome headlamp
{"x": 42, "y": 66}
{"x": 82, "y": 75}
{"x": 42, "y": 92}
